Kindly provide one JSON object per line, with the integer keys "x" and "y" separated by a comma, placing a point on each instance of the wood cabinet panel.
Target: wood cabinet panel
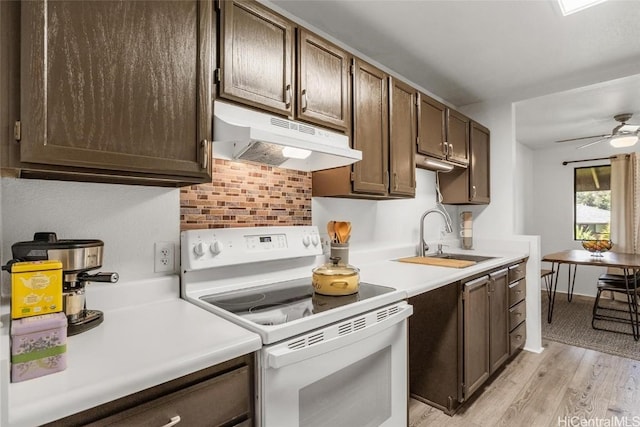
{"x": 476, "y": 334}
{"x": 323, "y": 82}
{"x": 221, "y": 395}
{"x": 256, "y": 57}
{"x": 458, "y": 137}
{"x": 517, "y": 292}
{"x": 517, "y": 314}
{"x": 435, "y": 347}
{"x": 479, "y": 167}
{"x": 193, "y": 405}
{"x": 499, "y": 325}
{"x": 117, "y": 86}
{"x": 370, "y": 129}
{"x": 432, "y": 130}
{"x": 473, "y": 184}
{"x": 402, "y": 138}
{"x": 517, "y": 338}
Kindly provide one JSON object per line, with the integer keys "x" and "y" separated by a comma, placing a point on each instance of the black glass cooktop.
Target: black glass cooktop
{"x": 286, "y": 301}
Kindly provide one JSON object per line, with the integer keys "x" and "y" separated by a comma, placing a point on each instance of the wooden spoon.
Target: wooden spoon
{"x": 342, "y": 230}
{"x": 331, "y": 229}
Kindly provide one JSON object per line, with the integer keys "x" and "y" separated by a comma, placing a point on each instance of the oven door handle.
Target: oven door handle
{"x": 336, "y": 336}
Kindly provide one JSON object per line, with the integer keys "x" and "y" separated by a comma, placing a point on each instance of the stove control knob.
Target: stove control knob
{"x": 216, "y": 247}
{"x": 199, "y": 249}
{"x": 315, "y": 240}
{"x": 306, "y": 241}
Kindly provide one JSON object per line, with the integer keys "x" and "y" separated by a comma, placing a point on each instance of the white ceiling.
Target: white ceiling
{"x": 472, "y": 51}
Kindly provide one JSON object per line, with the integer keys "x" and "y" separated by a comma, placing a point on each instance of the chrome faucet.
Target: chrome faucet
{"x": 423, "y": 245}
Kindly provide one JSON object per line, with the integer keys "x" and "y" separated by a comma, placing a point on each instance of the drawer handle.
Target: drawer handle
{"x": 518, "y": 292}
{"x": 518, "y": 337}
{"x": 173, "y": 421}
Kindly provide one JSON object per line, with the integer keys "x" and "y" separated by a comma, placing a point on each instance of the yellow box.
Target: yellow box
{"x": 36, "y": 288}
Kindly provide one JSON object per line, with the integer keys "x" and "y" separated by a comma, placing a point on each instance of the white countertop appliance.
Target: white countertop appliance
{"x": 325, "y": 360}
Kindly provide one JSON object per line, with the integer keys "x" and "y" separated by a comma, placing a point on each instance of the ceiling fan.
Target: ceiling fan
{"x": 623, "y": 135}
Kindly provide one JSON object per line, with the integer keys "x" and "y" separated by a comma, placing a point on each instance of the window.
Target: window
{"x": 592, "y": 202}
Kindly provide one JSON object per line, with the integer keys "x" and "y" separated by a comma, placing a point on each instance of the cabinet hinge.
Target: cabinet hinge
{"x": 216, "y": 75}
{"x": 216, "y": 5}
{"x": 353, "y": 176}
{"x": 17, "y": 130}
{"x": 417, "y": 140}
{"x": 351, "y": 69}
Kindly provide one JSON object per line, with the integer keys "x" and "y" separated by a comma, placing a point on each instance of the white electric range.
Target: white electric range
{"x": 325, "y": 360}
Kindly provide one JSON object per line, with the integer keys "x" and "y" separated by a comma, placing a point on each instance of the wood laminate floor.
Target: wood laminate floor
{"x": 563, "y": 386}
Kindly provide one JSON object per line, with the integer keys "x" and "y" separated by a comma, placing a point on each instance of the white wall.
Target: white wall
{"x": 386, "y": 221}
{"x": 523, "y": 189}
{"x": 498, "y": 218}
{"x": 128, "y": 218}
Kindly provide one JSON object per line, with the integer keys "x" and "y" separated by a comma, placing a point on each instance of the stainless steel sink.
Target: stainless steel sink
{"x": 461, "y": 257}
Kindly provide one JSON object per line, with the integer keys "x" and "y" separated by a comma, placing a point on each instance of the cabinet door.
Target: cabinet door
{"x": 117, "y": 86}
{"x": 458, "y": 137}
{"x": 432, "y": 131}
{"x": 402, "y": 138}
{"x": 194, "y": 405}
{"x": 370, "y": 129}
{"x": 476, "y": 334}
{"x": 499, "y": 315}
{"x": 435, "y": 347}
{"x": 256, "y": 56}
{"x": 323, "y": 82}
{"x": 479, "y": 171}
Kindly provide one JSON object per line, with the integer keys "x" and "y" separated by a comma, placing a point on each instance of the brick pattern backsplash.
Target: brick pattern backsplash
{"x": 247, "y": 195}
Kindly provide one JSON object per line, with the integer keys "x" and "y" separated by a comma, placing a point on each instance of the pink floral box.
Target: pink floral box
{"x": 38, "y": 346}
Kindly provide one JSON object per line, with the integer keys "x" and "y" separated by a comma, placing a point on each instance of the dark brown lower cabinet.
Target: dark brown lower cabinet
{"x": 435, "y": 347}
{"x": 460, "y": 335}
{"x": 218, "y": 396}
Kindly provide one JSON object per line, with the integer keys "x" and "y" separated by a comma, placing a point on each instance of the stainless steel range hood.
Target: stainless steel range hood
{"x": 246, "y": 135}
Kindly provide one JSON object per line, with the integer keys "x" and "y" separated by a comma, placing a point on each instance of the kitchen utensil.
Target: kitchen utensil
{"x": 343, "y": 229}
{"x": 77, "y": 257}
{"x": 331, "y": 230}
{"x": 440, "y": 262}
{"x": 335, "y": 279}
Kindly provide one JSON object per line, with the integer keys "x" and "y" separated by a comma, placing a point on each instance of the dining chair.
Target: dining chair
{"x": 615, "y": 283}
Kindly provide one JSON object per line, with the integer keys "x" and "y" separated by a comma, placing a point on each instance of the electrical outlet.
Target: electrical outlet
{"x": 163, "y": 258}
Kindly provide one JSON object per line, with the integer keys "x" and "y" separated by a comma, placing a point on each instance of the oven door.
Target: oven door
{"x": 351, "y": 373}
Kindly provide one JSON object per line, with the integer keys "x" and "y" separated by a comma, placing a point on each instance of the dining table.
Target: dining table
{"x": 628, "y": 263}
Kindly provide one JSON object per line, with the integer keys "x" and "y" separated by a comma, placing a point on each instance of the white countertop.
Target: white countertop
{"x": 155, "y": 339}
{"x": 415, "y": 279}
{"x": 148, "y": 342}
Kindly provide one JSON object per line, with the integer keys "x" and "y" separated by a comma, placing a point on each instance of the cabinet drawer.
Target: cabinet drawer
{"x": 222, "y": 400}
{"x": 517, "y": 314}
{"x": 517, "y": 292}
{"x": 517, "y": 338}
{"x": 517, "y": 272}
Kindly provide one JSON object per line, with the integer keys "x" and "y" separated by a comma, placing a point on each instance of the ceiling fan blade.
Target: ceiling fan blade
{"x": 593, "y": 143}
{"x": 585, "y": 137}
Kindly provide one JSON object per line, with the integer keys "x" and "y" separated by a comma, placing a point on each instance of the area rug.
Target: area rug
{"x": 571, "y": 325}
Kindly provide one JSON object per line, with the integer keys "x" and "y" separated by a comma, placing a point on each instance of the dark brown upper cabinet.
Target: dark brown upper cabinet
{"x": 370, "y": 129}
{"x": 384, "y": 129}
{"x": 457, "y": 137}
{"x": 256, "y": 57}
{"x": 471, "y": 185}
{"x": 402, "y": 137}
{"x": 432, "y": 127}
{"x": 442, "y": 132}
{"x": 115, "y": 91}
{"x": 323, "y": 86}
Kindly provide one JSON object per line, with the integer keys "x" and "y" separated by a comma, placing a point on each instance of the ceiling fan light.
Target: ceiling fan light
{"x": 623, "y": 141}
